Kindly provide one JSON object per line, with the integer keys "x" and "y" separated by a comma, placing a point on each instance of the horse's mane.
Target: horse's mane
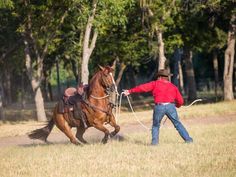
{"x": 93, "y": 81}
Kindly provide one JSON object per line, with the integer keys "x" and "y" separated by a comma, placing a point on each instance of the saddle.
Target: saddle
{"x": 71, "y": 103}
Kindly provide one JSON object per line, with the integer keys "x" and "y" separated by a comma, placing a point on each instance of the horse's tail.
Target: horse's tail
{"x": 42, "y": 133}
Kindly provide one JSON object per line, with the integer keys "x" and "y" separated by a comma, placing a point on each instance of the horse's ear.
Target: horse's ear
{"x": 111, "y": 69}
{"x": 102, "y": 68}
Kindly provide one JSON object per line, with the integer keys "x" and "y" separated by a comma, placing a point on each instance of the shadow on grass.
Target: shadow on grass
{"x": 92, "y": 141}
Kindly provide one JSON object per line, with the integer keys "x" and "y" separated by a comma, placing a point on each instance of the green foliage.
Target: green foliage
{"x": 126, "y": 41}
{"x": 163, "y": 12}
{"x": 111, "y": 13}
{"x": 6, "y": 4}
{"x": 203, "y": 25}
{"x": 65, "y": 75}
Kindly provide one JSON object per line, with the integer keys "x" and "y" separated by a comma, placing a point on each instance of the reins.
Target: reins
{"x": 95, "y": 107}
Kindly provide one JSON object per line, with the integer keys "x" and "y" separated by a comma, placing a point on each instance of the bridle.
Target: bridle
{"x": 108, "y": 87}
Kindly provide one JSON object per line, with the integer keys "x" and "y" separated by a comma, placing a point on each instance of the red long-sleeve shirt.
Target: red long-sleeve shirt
{"x": 162, "y": 90}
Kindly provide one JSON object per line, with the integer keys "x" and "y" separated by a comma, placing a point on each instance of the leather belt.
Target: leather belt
{"x": 163, "y": 103}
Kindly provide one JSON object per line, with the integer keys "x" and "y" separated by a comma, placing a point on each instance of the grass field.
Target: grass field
{"x": 213, "y": 153}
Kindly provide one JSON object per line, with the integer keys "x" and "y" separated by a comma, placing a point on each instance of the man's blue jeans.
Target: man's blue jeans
{"x": 170, "y": 111}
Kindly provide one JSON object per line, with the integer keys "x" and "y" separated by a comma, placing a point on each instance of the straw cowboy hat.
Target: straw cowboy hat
{"x": 163, "y": 72}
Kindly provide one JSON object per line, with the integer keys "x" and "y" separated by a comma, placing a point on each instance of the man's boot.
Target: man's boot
{"x": 83, "y": 120}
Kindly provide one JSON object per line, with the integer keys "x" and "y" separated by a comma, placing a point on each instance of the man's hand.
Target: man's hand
{"x": 126, "y": 92}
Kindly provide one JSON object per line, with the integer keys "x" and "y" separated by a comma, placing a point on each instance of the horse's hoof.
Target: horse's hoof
{"x": 104, "y": 141}
{"x": 76, "y": 143}
{"x": 112, "y": 134}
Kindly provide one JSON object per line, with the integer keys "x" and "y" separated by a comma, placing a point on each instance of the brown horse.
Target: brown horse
{"x": 96, "y": 108}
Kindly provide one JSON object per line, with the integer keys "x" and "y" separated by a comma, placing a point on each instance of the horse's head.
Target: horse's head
{"x": 107, "y": 80}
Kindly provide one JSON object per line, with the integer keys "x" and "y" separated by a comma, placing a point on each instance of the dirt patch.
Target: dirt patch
{"x": 93, "y": 135}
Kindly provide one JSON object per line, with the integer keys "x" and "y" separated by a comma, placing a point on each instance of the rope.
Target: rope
{"x": 131, "y": 107}
{"x": 197, "y": 100}
{"x": 192, "y": 103}
{"x": 133, "y": 112}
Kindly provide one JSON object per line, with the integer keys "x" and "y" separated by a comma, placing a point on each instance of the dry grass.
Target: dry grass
{"x": 213, "y": 153}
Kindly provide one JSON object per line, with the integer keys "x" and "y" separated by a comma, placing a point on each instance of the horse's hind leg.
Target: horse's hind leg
{"x": 80, "y": 133}
{"x": 64, "y": 127}
{"x": 113, "y": 124}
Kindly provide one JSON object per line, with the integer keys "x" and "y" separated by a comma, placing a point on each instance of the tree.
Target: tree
{"x": 10, "y": 42}
{"x": 103, "y": 14}
{"x": 159, "y": 16}
{"x": 40, "y": 22}
{"x": 189, "y": 23}
{"x": 222, "y": 20}
{"x": 124, "y": 45}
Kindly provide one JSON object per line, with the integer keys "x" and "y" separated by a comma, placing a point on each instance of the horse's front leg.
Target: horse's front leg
{"x": 99, "y": 126}
{"x": 113, "y": 124}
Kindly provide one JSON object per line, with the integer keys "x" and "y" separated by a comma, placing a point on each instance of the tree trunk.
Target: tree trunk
{"x": 44, "y": 90}
{"x": 87, "y": 46}
{"x": 7, "y": 86}
{"x": 229, "y": 62}
{"x": 161, "y": 50}
{"x": 1, "y": 96}
{"x": 41, "y": 116}
{"x": 133, "y": 83}
{"x": 234, "y": 77}
{"x": 175, "y": 67}
{"x": 84, "y": 68}
{"x": 216, "y": 71}
{"x": 35, "y": 83}
{"x": 58, "y": 80}
{"x": 75, "y": 70}
{"x": 120, "y": 74}
{"x": 22, "y": 97}
{"x": 114, "y": 98}
{"x": 50, "y": 93}
{"x": 181, "y": 78}
{"x": 190, "y": 77}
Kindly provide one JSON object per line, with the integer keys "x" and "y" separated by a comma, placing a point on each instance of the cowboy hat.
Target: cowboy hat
{"x": 163, "y": 72}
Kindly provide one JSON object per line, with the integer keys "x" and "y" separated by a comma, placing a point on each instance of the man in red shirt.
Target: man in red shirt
{"x": 166, "y": 97}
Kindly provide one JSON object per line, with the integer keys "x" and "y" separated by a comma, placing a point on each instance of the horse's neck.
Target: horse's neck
{"x": 95, "y": 88}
